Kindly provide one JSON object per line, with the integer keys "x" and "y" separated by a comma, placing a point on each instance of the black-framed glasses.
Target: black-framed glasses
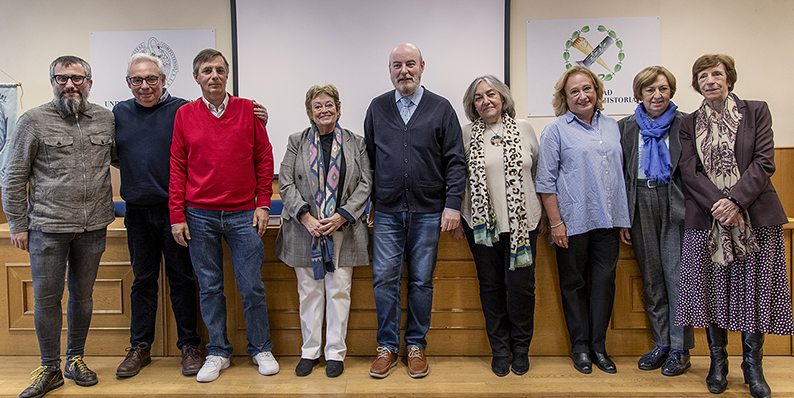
{"x": 76, "y": 79}
{"x": 137, "y": 81}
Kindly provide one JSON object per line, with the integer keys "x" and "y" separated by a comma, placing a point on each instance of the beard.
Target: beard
{"x": 406, "y": 87}
{"x": 68, "y": 105}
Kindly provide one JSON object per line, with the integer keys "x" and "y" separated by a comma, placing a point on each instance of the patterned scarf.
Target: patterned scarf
{"x": 325, "y": 186}
{"x": 715, "y": 138}
{"x": 486, "y": 228}
{"x": 655, "y": 160}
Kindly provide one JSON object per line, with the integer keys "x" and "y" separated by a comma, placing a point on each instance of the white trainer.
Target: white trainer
{"x": 212, "y": 368}
{"x": 267, "y": 363}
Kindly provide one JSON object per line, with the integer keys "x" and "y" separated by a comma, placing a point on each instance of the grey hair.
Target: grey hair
{"x": 67, "y": 60}
{"x": 143, "y": 57}
{"x": 508, "y": 104}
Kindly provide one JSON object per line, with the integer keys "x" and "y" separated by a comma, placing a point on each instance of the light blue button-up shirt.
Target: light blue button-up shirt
{"x": 415, "y": 98}
{"x": 582, "y": 165}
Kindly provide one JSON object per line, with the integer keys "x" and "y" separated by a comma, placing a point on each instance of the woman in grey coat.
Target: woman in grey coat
{"x": 651, "y": 150}
{"x": 324, "y": 181}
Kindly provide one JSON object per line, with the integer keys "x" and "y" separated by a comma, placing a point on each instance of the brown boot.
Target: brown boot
{"x": 417, "y": 363}
{"x": 137, "y": 357}
{"x": 191, "y": 360}
{"x": 382, "y": 365}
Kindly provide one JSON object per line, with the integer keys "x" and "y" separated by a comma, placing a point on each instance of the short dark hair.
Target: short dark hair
{"x": 67, "y": 60}
{"x": 206, "y": 55}
{"x": 710, "y": 61}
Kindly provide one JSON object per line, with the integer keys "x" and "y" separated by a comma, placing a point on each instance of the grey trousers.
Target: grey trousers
{"x": 657, "y": 246}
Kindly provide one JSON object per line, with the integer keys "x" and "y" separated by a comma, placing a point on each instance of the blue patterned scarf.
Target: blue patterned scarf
{"x": 655, "y": 160}
{"x": 325, "y": 186}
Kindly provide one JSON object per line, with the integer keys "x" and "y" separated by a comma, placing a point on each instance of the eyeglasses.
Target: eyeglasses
{"x": 137, "y": 81}
{"x": 76, "y": 79}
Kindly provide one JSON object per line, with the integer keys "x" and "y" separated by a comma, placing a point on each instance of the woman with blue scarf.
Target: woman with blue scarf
{"x": 324, "y": 182}
{"x": 651, "y": 150}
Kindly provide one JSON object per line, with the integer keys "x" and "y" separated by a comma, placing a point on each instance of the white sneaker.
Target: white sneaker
{"x": 212, "y": 368}
{"x": 267, "y": 363}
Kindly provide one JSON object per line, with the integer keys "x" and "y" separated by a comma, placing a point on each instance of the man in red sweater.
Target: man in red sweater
{"x": 220, "y": 187}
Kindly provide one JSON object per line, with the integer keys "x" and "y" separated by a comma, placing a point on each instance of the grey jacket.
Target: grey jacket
{"x": 293, "y": 243}
{"x": 629, "y": 139}
{"x": 64, "y": 161}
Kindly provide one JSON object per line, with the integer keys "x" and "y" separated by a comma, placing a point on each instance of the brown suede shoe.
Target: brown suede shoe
{"x": 382, "y": 365}
{"x": 137, "y": 358}
{"x": 191, "y": 360}
{"x": 417, "y": 363}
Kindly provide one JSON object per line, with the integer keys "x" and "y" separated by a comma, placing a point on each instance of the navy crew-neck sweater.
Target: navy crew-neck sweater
{"x": 419, "y": 167}
{"x": 143, "y": 141}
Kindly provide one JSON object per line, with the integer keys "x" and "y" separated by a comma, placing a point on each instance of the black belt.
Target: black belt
{"x": 651, "y": 183}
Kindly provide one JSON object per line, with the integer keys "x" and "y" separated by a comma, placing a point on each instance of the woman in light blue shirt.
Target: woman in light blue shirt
{"x": 580, "y": 178}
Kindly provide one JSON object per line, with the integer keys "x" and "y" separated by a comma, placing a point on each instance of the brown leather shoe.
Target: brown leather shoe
{"x": 417, "y": 363}
{"x": 191, "y": 360}
{"x": 382, "y": 365}
{"x": 137, "y": 358}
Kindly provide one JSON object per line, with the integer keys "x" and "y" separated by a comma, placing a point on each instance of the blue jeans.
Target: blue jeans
{"x": 412, "y": 238}
{"x": 149, "y": 239}
{"x": 207, "y": 227}
{"x": 49, "y": 255}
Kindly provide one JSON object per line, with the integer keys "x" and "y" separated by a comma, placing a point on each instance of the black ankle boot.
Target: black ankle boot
{"x": 753, "y": 354}
{"x": 716, "y": 379}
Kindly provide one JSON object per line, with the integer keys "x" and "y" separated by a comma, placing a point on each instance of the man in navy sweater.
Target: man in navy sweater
{"x": 415, "y": 147}
{"x": 144, "y": 127}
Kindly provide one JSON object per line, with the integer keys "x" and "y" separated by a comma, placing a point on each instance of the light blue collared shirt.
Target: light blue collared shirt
{"x": 582, "y": 165}
{"x": 415, "y": 98}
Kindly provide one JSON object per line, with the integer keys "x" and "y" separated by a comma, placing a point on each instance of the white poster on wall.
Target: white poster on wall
{"x": 613, "y": 48}
{"x": 110, "y": 52}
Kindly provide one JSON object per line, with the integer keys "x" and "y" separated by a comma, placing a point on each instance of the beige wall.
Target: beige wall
{"x": 755, "y": 32}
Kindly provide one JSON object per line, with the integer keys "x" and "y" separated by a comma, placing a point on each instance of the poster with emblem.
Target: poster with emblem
{"x": 615, "y": 49}
{"x": 110, "y": 52}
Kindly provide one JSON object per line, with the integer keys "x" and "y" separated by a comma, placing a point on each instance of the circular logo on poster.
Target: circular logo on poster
{"x": 161, "y": 50}
{"x": 594, "y": 55}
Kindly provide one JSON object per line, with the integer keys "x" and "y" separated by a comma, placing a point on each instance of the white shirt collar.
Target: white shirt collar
{"x": 218, "y": 112}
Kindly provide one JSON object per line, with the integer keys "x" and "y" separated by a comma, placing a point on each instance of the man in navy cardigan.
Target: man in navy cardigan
{"x": 415, "y": 147}
{"x": 145, "y": 125}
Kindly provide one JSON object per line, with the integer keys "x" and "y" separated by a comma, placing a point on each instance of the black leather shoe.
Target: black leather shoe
{"x": 305, "y": 367}
{"x": 603, "y": 362}
{"x": 520, "y": 363}
{"x": 76, "y": 370}
{"x": 653, "y": 359}
{"x": 676, "y": 364}
{"x": 45, "y": 379}
{"x": 334, "y": 368}
{"x": 500, "y": 366}
{"x": 582, "y": 362}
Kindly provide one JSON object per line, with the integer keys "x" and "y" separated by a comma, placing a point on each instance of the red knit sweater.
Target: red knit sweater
{"x": 221, "y": 163}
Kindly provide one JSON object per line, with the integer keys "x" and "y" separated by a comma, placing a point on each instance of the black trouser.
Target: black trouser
{"x": 507, "y": 297}
{"x": 149, "y": 239}
{"x": 587, "y": 286}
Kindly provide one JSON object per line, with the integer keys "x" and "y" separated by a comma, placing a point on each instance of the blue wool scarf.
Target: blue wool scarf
{"x": 655, "y": 160}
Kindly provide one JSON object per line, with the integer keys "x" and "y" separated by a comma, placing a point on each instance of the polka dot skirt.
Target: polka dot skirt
{"x": 750, "y": 296}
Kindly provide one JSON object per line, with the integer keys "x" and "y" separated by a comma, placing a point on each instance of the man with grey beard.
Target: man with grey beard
{"x": 58, "y": 201}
